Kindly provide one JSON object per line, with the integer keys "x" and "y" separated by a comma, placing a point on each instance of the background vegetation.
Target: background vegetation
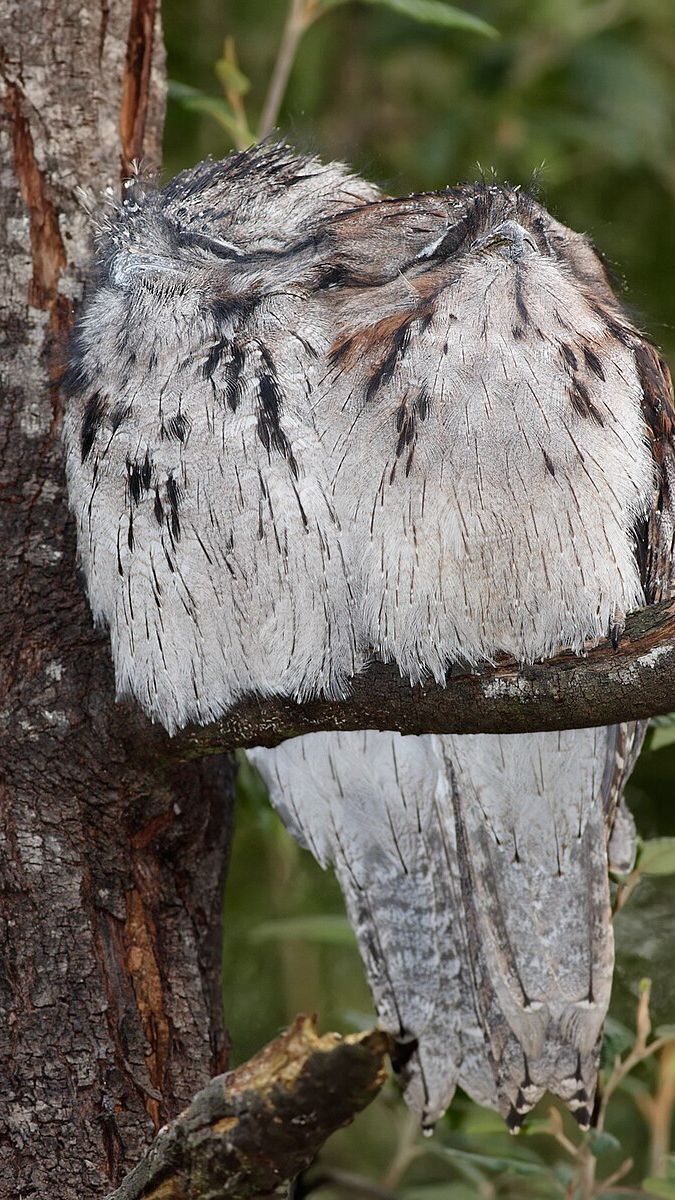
{"x": 577, "y": 98}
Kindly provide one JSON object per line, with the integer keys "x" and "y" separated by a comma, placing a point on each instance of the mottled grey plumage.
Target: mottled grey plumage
{"x": 206, "y": 526}
{"x": 310, "y": 424}
{"x": 488, "y": 431}
{"x": 503, "y": 437}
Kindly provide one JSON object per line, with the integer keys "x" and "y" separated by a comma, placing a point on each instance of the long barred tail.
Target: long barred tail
{"x": 475, "y": 873}
{"x": 363, "y": 802}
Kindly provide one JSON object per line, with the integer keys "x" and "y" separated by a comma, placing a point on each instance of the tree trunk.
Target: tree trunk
{"x": 111, "y": 858}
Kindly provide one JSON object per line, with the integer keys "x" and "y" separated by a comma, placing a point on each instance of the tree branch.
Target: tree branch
{"x": 604, "y": 686}
{"x": 251, "y": 1131}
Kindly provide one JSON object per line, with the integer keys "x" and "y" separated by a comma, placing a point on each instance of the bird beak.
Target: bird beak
{"x": 509, "y": 239}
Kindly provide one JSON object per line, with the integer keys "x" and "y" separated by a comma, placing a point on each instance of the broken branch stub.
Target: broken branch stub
{"x": 250, "y": 1131}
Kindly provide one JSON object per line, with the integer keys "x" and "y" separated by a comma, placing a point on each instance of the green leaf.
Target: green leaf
{"x": 520, "y": 1166}
{"x": 657, "y": 856}
{"x": 251, "y": 789}
{"x": 194, "y": 100}
{"x": 429, "y": 12}
{"x": 482, "y": 1122}
{"x": 663, "y": 732}
{"x": 659, "y": 1187}
{"x": 618, "y": 1038}
{"x": 535, "y": 1127}
{"x": 360, "y": 1021}
{"x": 231, "y": 78}
{"x": 601, "y": 1142}
{"x": 664, "y": 1031}
{"x": 438, "y": 1191}
{"x": 665, "y": 721}
{"x": 328, "y": 929}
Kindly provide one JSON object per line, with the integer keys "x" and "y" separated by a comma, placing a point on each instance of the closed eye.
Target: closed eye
{"x": 215, "y": 246}
{"x": 448, "y": 243}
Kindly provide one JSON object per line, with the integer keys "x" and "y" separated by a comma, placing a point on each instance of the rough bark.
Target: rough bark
{"x": 249, "y": 1133}
{"x": 606, "y": 685}
{"x": 111, "y": 862}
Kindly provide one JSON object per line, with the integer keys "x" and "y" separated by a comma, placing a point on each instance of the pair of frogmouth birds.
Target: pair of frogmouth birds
{"x": 311, "y": 425}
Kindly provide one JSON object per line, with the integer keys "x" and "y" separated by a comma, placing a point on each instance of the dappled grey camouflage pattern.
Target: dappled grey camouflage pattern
{"x": 206, "y": 525}
{"x": 311, "y": 425}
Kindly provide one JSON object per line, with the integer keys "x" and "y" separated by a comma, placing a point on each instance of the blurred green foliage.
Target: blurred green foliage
{"x": 576, "y": 98}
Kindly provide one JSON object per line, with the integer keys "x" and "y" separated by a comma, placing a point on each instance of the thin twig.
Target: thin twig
{"x": 301, "y": 14}
{"x": 407, "y": 1151}
{"x": 345, "y": 1181}
{"x": 658, "y": 1112}
{"x": 241, "y": 133}
{"x": 615, "y": 1176}
{"x": 625, "y": 890}
{"x": 641, "y": 1050}
{"x": 583, "y": 1185}
{"x": 556, "y": 1130}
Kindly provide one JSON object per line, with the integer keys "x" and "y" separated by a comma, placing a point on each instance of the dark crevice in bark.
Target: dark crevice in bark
{"x": 103, "y": 32}
{"x": 136, "y": 85}
{"x": 47, "y": 251}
